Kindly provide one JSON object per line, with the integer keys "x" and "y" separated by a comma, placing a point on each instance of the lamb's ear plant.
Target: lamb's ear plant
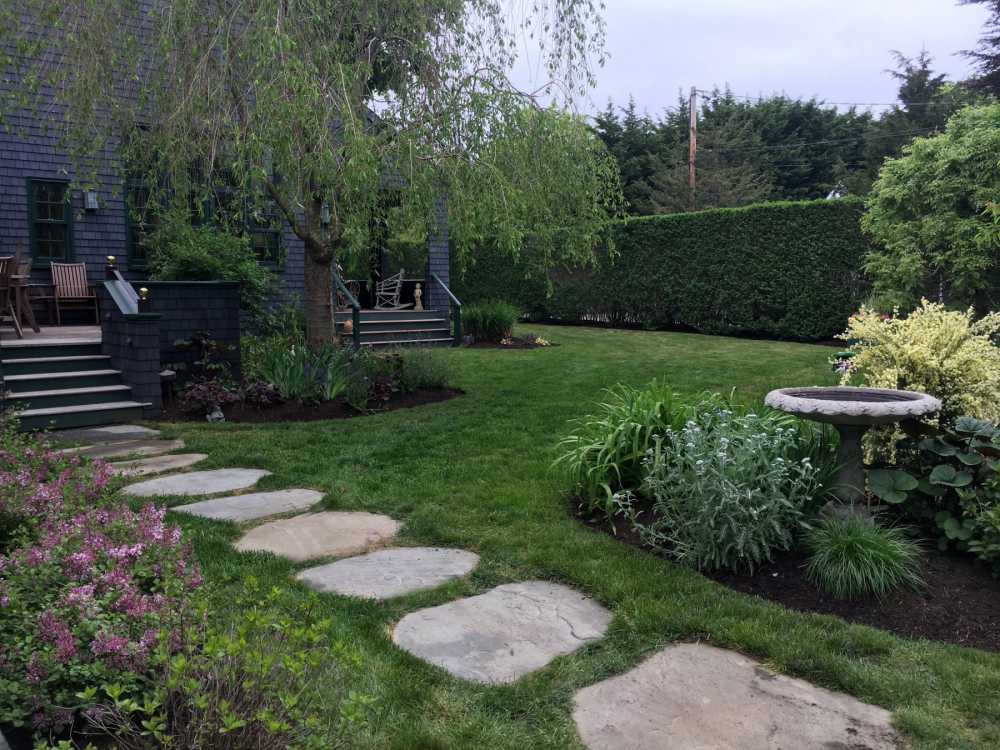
{"x": 851, "y": 557}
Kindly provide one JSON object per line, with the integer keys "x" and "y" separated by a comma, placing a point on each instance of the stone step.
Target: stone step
{"x": 61, "y": 380}
{"x": 46, "y": 365}
{"x": 196, "y": 483}
{"x": 326, "y": 534}
{"x": 692, "y": 695}
{"x": 388, "y": 337}
{"x": 410, "y": 342}
{"x": 143, "y": 467}
{"x": 248, "y": 507}
{"x": 389, "y": 573}
{"x": 504, "y": 634}
{"x": 46, "y": 399}
{"x": 80, "y": 416}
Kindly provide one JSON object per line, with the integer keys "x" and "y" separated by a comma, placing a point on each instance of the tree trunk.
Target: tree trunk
{"x": 318, "y": 302}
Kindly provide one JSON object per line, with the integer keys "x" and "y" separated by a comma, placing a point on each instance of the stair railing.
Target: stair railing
{"x": 355, "y": 308}
{"x": 456, "y": 309}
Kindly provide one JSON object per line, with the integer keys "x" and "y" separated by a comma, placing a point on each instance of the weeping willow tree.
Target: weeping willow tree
{"x": 313, "y": 108}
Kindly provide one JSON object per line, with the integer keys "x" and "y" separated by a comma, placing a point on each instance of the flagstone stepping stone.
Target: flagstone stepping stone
{"x": 697, "y": 696}
{"x": 114, "y": 433}
{"x": 125, "y": 448}
{"x": 157, "y": 464}
{"x": 254, "y": 505}
{"x": 327, "y": 534}
{"x": 504, "y": 634}
{"x": 390, "y": 572}
{"x": 198, "y": 483}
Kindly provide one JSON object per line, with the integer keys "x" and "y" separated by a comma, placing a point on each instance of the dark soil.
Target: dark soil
{"x": 293, "y": 411}
{"x": 959, "y": 604}
{"x": 514, "y": 343}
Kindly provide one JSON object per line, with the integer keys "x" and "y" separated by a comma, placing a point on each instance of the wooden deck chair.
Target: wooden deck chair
{"x": 388, "y": 290}
{"x": 8, "y": 307}
{"x": 70, "y": 285}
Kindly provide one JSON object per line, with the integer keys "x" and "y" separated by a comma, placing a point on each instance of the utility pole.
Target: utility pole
{"x": 692, "y": 142}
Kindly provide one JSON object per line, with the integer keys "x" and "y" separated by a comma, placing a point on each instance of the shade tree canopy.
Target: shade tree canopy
{"x": 310, "y": 111}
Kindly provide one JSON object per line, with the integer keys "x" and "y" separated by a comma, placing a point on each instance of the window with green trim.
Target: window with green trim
{"x": 51, "y": 221}
{"x": 142, "y": 221}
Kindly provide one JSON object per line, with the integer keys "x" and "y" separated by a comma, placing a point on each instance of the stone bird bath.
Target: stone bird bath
{"x": 852, "y": 411}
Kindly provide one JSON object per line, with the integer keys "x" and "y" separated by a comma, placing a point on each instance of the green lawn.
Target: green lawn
{"x": 474, "y": 473}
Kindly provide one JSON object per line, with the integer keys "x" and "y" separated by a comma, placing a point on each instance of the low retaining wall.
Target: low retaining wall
{"x": 190, "y": 308}
{"x": 144, "y": 343}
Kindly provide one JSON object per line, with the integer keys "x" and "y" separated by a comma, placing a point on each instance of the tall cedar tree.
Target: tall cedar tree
{"x": 987, "y": 54}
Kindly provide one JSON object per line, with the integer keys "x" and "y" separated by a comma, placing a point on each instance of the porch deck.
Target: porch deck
{"x": 51, "y": 336}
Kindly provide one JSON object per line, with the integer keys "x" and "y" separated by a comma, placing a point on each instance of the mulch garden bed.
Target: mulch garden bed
{"x": 959, "y": 604}
{"x": 293, "y": 411}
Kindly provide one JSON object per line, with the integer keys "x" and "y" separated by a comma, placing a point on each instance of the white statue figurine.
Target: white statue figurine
{"x": 418, "y": 297}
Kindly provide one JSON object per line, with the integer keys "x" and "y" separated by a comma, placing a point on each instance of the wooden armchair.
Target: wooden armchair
{"x": 8, "y": 302}
{"x": 388, "y": 290}
{"x": 70, "y": 286}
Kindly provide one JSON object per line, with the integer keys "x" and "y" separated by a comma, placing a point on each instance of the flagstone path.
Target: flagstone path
{"x": 255, "y": 505}
{"x": 328, "y": 534}
{"x": 389, "y": 573}
{"x": 143, "y": 447}
{"x": 685, "y": 696}
{"x": 695, "y": 696}
{"x": 157, "y": 464}
{"x": 504, "y": 634}
{"x": 198, "y": 483}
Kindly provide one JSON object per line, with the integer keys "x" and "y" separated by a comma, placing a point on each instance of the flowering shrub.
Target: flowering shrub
{"x": 88, "y": 587}
{"x": 247, "y": 684}
{"x": 727, "y": 489}
{"x": 945, "y": 353}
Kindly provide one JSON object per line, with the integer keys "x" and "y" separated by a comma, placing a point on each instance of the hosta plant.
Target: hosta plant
{"x": 950, "y": 482}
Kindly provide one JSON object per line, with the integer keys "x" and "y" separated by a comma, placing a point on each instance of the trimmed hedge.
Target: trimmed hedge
{"x": 788, "y": 270}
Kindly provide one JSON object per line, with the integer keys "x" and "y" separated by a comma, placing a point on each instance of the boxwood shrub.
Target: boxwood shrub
{"x": 788, "y": 270}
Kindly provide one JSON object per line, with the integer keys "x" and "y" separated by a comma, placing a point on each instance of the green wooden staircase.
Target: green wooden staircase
{"x": 53, "y": 384}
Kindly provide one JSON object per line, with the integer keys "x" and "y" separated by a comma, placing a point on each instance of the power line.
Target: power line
{"x": 760, "y": 97}
{"x": 782, "y": 146}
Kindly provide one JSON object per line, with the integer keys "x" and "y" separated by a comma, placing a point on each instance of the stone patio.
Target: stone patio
{"x": 504, "y": 634}
{"x": 390, "y": 572}
{"x": 697, "y": 696}
{"x": 327, "y": 534}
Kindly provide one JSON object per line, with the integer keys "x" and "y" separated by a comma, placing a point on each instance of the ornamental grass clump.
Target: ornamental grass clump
{"x": 604, "y": 452}
{"x": 489, "y": 321}
{"x": 945, "y": 353}
{"x": 851, "y": 557}
{"x": 88, "y": 586}
{"x": 727, "y": 490}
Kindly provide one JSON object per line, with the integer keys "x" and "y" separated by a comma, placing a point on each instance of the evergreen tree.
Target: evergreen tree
{"x": 987, "y": 54}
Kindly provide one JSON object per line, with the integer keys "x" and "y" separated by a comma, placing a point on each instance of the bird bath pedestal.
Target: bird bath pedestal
{"x": 852, "y": 411}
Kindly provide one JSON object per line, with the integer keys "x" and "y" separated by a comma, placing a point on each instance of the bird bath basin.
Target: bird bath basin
{"x": 852, "y": 411}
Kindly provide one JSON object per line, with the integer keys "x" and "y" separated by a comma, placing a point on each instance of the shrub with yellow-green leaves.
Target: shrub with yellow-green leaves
{"x": 946, "y": 353}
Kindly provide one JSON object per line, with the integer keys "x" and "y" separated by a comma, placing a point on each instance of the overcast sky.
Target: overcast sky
{"x": 832, "y": 50}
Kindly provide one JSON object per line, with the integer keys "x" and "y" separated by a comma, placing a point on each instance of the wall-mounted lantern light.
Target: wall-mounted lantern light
{"x": 90, "y": 202}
